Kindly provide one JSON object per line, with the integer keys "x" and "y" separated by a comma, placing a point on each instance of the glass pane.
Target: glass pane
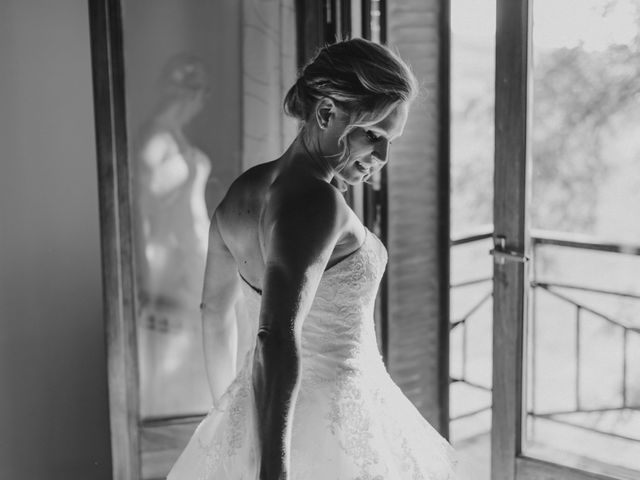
{"x": 183, "y": 103}
{"x": 583, "y": 336}
{"x": 470, "y": 353}
{"x": 472, "y": 104}
{"x": 183, "y": 100}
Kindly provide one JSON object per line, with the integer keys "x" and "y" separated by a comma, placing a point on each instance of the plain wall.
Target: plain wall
{"x": 54, "y": 418}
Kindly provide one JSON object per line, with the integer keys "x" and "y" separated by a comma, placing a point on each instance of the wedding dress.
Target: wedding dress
{"x": 351, "y": 422}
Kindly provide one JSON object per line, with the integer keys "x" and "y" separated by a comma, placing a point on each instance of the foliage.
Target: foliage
{"x": 580, "y": 96}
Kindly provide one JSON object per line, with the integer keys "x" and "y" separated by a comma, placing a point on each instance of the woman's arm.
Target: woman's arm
{"x": 219, "y": 327}
{"x": 301, "y": 231}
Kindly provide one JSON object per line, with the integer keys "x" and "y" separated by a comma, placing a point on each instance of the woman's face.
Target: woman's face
{"x": 369, "y": 147}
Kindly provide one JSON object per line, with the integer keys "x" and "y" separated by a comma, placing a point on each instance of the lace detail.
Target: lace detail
{"x": 234, "y": 404}
{"x": 350, "y": 421}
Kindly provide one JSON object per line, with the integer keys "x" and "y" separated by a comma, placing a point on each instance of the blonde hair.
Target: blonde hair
{"x": 183, "y": 75}
{"x": 365, "y": 79}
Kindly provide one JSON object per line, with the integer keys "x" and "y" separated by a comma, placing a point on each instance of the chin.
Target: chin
{"x": 353, "y": 180}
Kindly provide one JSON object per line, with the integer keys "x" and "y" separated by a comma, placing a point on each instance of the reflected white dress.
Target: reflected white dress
{"x": 351, "y": 421}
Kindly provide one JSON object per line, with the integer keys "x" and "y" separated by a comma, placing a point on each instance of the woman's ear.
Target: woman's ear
{"x": 325, "y": 111}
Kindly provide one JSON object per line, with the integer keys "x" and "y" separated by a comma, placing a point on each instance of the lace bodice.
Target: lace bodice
{"x": 338, "y": 334}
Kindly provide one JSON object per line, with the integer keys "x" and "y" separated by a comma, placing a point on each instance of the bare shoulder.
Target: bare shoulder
{"x": 245, "y": 195}
{"x": 305, "y": 209}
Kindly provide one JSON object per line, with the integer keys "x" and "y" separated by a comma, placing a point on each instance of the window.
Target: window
{"x": 567, "y": 338}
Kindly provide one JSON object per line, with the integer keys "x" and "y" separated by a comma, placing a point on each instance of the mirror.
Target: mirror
{"x": 204, "y": 83}
{"x": 183, "y": 114}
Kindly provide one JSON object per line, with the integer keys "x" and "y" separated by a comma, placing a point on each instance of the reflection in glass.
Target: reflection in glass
{"x": 204, "y": 84}
{"x": 583, "y": 336}
{"x": 170, "y": 177}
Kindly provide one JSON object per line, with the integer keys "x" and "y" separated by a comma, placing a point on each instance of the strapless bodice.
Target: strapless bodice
{"x": 338, "y": 334}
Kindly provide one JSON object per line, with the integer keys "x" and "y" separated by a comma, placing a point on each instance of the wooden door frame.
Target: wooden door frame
{"x": 511, "y": 279}
{"x": 107, "y": 63}
{"x": 512, "y": 151}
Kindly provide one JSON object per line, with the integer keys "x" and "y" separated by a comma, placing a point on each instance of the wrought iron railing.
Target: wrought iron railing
{"x": 556, "y": 289}
{"x": 462, "y": 323}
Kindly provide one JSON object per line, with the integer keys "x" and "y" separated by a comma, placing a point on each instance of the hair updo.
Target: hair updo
{"x": 183, "y": 75}
{"x": 363, "y": 78}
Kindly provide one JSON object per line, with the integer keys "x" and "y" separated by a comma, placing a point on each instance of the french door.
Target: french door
{"x": 565, "y": 396}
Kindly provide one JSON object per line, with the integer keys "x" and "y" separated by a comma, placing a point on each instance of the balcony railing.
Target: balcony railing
{"x": 558, "y": 290}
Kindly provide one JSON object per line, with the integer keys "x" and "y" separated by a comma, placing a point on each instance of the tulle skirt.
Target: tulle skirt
{"x": 356, "y": 426}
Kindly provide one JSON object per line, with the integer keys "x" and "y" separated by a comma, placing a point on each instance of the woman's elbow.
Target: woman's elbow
{"x": 217, "y": 318}
{"x": 275, "y": 344}
{"x": 276, "y": 353}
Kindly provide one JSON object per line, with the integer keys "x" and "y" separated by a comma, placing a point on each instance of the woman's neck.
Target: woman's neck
{"x": 305, "y": 153}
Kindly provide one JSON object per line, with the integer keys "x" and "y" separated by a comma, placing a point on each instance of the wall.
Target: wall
{"x": 418, "y": 217}
{"x": 54, "y": 419}
{"x": 269, "y": 69}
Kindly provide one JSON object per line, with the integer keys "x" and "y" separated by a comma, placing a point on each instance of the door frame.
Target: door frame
{"x": 510, "y": 217}
{"x": 107, "y": 64}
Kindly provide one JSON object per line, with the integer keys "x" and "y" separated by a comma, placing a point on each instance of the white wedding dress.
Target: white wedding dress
{"x": 351, "y": 422}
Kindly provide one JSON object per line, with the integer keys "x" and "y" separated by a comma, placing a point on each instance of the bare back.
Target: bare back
{"x": 240, "y": 217}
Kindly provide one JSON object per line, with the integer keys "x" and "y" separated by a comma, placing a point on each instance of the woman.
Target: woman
{"x": 313, "y": 399}
{"x": 170, "y": 181}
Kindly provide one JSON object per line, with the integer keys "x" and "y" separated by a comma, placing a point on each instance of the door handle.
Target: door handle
{"x": 501, "y": 254}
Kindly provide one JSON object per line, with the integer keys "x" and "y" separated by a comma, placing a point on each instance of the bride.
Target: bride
{"x": 311, "y": 399}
